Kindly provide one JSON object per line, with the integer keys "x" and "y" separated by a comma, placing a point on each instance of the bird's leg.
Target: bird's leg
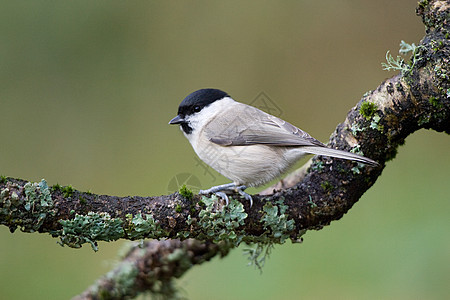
{"x": 215, "y": 189}
{"x": 220, "y": 191}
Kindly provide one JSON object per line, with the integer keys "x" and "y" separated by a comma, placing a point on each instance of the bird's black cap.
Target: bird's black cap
{"x": 197, "y": 100}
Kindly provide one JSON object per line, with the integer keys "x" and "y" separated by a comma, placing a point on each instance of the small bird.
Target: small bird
{"x": 246, "y": 145}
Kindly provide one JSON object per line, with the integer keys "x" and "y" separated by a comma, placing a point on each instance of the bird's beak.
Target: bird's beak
{"x": 176, "y": 120}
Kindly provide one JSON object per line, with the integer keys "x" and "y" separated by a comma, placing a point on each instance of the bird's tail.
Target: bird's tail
{"x": 339, "y": 154}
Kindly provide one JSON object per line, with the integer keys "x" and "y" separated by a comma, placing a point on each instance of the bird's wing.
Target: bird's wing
{"x": 242, "y": 125}
{"x": 247, "y": 125}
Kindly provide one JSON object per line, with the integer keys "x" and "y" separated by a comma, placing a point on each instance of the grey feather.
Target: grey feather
{"x": 251, "y": 126}
{"x": 246, "y": 125}
{"x": 339, "y": 154}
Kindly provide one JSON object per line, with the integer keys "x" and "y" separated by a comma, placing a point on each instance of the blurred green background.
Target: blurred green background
{"x": 87, "y": 89}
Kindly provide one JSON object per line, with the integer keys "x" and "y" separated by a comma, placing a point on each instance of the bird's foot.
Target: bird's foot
{"x": 240, "y": 190}
{"x": 230, "y": 187}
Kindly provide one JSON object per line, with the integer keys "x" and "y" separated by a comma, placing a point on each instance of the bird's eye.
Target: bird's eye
{"x": 197, "y": 109}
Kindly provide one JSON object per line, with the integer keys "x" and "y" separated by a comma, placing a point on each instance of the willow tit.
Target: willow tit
{"x": 243, "y": 143}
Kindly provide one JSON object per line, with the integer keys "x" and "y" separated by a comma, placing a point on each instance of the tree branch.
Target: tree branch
{"x": 152, "y": 266}
{"x": 418, "y": 97}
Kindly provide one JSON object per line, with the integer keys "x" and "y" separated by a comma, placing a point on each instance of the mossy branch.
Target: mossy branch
{"x": 418, "y": 97}
{"x": 151, "y": 266}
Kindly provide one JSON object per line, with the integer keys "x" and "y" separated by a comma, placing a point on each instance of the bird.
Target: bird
{"x": 243, "y": 143}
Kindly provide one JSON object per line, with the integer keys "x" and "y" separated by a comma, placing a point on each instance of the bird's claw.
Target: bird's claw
{"x": 240, "y": 190}
{"x": 223, "y": 196}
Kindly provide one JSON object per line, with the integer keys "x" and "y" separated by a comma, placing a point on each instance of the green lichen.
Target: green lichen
{"x": 139, "y": 227}
{"x": 185, "y": 234}
{"x": 394, "y": 64}
{"x": 3, "y": 179}
{"x": 221, "y": 223}
{"x": 258, "y": 255}
{"x": 317, "y": 166}
{"x": 398, "y": 63}
{"x": 311, "y": 202}
{"x": 46, "y": 196}
{"x": 375, "y": 123}
{"x": 178, "y": 208}
{"x": 275, "y": 221}
{"x": 368, "y": 109}
{"x": 405, "y": 48}
{"x": 186, "y": 193}
{"x": 356, "y": 170}
{"x": 90, "y": 228}
{"x": 37, "y": 192}
{"x": 357, "y": 150}
{"x": 28, "y": 210}
{"x": 355, "y": 129}
{"x": 277, "y": 228}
